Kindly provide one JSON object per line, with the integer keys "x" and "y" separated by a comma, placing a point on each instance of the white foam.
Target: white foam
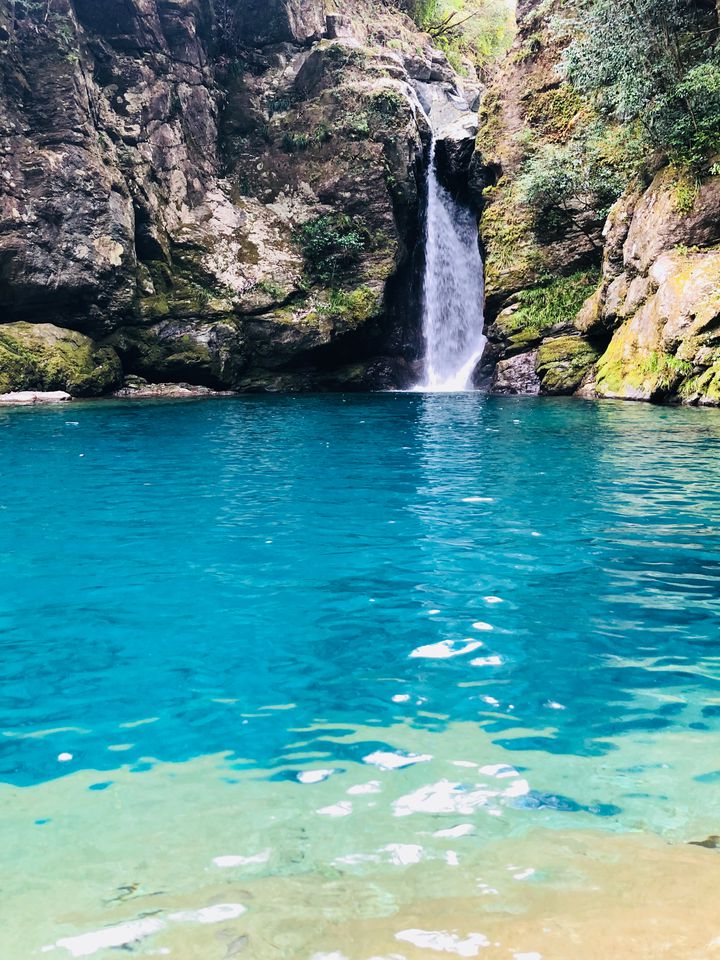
{"x": 342, "y": 809}
{"x": 314, "y": 776}
{"x": 499, "y": 770}
{"x": 492, "y": 661}
{"x": 401, "y": 698}
{"x": 461, "y": 830}
{"x": 404, "y": 854}
{"x": 241, "y": 861}
{"x": 384, "y": 760}
{"x": 442, "y": 797}
{"x": 215, "y": 914}
{"x": 444, "y": 650}
{"x": 481, "y": 625}
{"x": 372, "y": 786}
{"x": 445, "y": 942}
{"x": 478, "y": 500}
{"x": 86, "y": 944}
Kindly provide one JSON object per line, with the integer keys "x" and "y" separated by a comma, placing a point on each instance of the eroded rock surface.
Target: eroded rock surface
{"x": 226, "y": 194}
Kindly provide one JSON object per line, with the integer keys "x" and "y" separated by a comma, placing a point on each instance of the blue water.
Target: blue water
{"x": 160, "y": 560}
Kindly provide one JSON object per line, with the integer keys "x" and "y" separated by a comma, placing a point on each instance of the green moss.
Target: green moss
{"x": 45, "y": 357}
{"x": 506, "y": 228}
{"x": 351, "y": 308}
{"x": 627, "y": 370}
{"x": 389, "y": 103}
{"x": 563, "y": 363}
{"x": 686, "y": 189}
{"x": 554, "y": 111}
{"x": 704, "y": 388}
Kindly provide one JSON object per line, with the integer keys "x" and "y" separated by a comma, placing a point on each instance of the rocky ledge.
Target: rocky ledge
{"x": 227, "y": 195}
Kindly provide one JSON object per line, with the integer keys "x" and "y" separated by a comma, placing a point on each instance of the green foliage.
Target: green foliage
{"x": 295, "y": 142}
{"x": 357, "y": 124}
{"x": 652, "y": 61}
{"x": 584, "y": 174}
{"x": 557, "y": 302}
{"x": 331, "y": 244}
{"x": 389, "y": 104}
{"x": 566, "y": 179}
{"x": 686, "y": 188}
{"x": 481, "y": 30}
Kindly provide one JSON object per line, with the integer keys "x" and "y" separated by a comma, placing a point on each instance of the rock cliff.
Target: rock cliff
{"x": 621, "y": 305}
{"x": 225, "y": 193}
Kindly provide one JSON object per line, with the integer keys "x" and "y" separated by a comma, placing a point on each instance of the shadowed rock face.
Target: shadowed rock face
{"x": 263, "y": 22}
{"x": 160, "y": 161}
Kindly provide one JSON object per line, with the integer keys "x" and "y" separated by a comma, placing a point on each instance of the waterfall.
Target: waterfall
{"x": 454, "y": 291}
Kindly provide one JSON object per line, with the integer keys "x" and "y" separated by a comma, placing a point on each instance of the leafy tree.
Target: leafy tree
{"x": 654, "y": 61}
{"x": 566, "y": 182}
{"x": 481, "y": 30}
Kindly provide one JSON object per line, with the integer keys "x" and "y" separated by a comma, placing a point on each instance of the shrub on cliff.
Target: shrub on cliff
{"x": 655, "y": 62}
{"x": 331, "y": 244}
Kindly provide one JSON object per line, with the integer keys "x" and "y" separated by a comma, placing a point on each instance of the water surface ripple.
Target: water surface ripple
{"x": 546, "y": 571}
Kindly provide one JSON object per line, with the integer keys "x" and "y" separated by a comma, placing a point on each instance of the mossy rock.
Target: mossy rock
{"x": 563, "y": 363}
{"x": 631, "y": 371}
{"x": 41, "y": 356}
{"x": 703, "y": 389}
{"x": 206, "y": 355}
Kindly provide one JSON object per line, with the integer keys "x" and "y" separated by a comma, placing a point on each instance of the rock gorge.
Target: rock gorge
{"x": 230, "y": 194}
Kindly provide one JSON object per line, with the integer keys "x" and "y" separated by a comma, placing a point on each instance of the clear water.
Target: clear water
{"x": 265, "y": 652}
{"x": 453, "y": 291}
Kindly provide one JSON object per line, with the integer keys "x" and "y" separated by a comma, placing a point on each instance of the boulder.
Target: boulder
{"x": 24, "y": 398}
{"x": 43, "y": 357}
{"x": 454, "y": 149}
{"x": 563, "y": 364}
{"x": 517, "y": 375}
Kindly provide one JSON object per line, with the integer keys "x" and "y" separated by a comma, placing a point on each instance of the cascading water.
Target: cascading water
{"x": 454, "y": 291}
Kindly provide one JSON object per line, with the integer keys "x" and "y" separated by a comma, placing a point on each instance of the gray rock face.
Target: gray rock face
{"x": 263, "y": 22}
{"x": 159, "y": 163}
{"x": 517, "y": 375}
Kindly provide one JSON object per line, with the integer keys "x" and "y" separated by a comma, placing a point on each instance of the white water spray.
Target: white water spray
{"x": 454, "y": 291}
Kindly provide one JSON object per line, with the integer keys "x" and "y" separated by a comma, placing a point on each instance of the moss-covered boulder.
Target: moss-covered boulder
{"x": 41, "y": 356}
{"x": 563, "y": 363}
{"x": 209, "y": 354}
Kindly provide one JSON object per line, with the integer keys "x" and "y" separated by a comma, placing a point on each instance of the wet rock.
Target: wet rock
{"x": 517, "y": 375}
{"x": 454, "y": 149}
{"x": 22, "y": 398}
{"x": 138, "y": 389}
{"x": 263, "y": 22}
{"x": 710, "y": 843}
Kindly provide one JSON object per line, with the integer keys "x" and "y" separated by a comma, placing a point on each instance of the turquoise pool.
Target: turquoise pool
{"x": 358, "y": 677}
